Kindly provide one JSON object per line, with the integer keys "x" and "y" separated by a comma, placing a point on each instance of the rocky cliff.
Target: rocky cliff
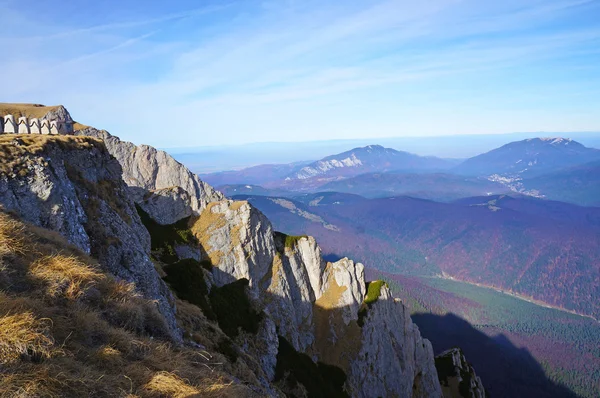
{"x": 321, "y": 309}
{"x": 155, "y": 177}
{"x": 280, "y": 318}
{"x": 73, "y": 186}
{"x": 457, "y": 376}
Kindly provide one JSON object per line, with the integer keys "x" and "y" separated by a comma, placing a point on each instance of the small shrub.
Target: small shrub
{"x": 186, "y": 278}
{"x": 233, "y": 309}
{"x": 373, "y": 293}
{"x": 289, "y": 241}
{"x": 319, "y": 380}
{"x": 163, "y": 238}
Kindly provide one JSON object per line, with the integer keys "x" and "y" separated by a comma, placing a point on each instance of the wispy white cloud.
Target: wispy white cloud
{"x": 275, "y": 63}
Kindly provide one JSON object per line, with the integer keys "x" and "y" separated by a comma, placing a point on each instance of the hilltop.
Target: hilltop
{"x": 124, "y": 270}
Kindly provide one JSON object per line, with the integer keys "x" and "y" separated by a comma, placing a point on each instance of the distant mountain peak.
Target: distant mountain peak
{"x": 375, "y": 147}
{"x": 370, "y": 158}
{"x": 553, "y": 140}
{"x": 529, "y": 157}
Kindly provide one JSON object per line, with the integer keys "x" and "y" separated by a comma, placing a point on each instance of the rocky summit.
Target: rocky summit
{"x": 123, "y": 274}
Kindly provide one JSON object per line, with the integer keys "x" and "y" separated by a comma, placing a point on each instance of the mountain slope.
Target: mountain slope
{"x": 256, "y": 175}
{"x": 434, "y": 186}
{"x": 372, "y": 158}
{"x": 545, "y": 250}
{"x": 529, "y": 158}
{"x": 73, "y": 186}
{"x": 69, "y": 328}
{"x": 151, "y": 176}
{"x": 578, "y": 184}
{"x": 265, "y": 307}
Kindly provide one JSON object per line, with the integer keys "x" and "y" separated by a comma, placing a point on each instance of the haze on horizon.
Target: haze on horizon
{"x": 180, "y": 74}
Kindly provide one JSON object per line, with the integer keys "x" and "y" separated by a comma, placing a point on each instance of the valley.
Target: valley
{"x": 479, "y": 253}
{"x": 559, "y": 348}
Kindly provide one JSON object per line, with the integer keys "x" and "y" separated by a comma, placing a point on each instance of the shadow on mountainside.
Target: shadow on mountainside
{"x": 505, "y": 370}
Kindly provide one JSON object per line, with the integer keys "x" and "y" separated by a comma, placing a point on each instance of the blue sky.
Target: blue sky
{"x": 191, "y": 73}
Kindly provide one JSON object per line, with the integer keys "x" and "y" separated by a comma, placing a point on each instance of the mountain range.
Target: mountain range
{"x": 528, "y": 158}
{"x": 552, "y": 168}
{"x": 122, "y": 273}
{"x": 543, "y": 250}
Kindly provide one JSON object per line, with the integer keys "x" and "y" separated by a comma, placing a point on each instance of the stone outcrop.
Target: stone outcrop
{"x": 86, "y": 186}
{"x": 56, "y": 121}
{"x": 146, "y": 169}
{"x": 457, "y": 376}
{"x": 167, "y": 205}
{"x": 319, "y": 307}
{"x": 238, "y": 240}
{"x": 73, "y": 186}
{"x": 393, "y": 344}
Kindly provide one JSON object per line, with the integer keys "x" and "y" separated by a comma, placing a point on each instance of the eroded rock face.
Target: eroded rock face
{"x": 238, "y": 240}
{"x": 60, "y": 113}
{"x": 73, "y": 186}
{"x": 290, "y": 288}
{"x": 167, "y": 204}
{"x": 457, "y": 376}
{"x": 146, "y": 169}
{"x": 392, "y": 344}
{"x": 316, "y": 305}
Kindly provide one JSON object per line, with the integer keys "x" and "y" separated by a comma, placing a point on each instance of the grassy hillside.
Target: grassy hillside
{"x": 29, "y": 110}
{"x": 69, "y": 329}
{"x": 554, "y": 347}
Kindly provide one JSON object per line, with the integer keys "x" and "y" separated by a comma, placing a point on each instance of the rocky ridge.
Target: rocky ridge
{"x": 150, "y": 173}
{"x": 73, "y": 186}
{"x": 278, "y": 309}
{"x": 457, "y": 376}
{"x": 319, "y": 307}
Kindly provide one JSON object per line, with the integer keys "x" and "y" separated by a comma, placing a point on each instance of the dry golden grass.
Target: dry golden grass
{"x": 78, "y": 126}
{"x": 29, "y": 110}
{"x": 12, "y": 236}
{"x": 67, "y": 329}
{"x": 165, "y": 384}
{"x": 18, "y": 150}
{"x": 23, "y": 334}
{"x": 65, "y": 275}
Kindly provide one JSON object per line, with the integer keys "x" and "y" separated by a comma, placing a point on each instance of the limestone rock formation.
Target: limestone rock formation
{"x": 58, "y": 113}
{"x": 73, "y": 186}
{"x": 319, "y": 307}
{"x": 457, "y": 376}
{"x": 167, "y": 205}
{"x": 393, "y": 344}
{"x": 284, "y": 317}
{"x": 238, "y": 240}
{"x": 146, "y": 169}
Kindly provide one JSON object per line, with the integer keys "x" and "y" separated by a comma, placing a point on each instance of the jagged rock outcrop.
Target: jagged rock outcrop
{"x": 146, "y": 169}
{"x": 282, "y": 315}
{"x": 167, "y": 205}
{"x": 73, "y": 186}
{"x": 319, "y": 307}
{"x": 58, "y": 113}
{"x": 238, "y": 240}
{"x": 393, "y": 344}
{"x": 457, "y": 376}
